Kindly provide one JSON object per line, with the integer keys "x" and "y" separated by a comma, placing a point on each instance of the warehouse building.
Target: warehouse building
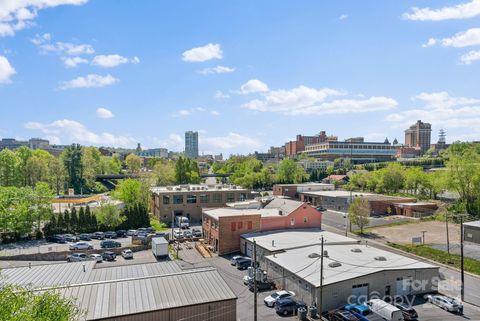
{"x": 340, "y": 201}
{"x": 222, "y": 227}
{"x": 144, "y": 292}
{"x": 351, "y": 274}
{"x": 189, "y": 200}
{"x": 273, "y": 242}
{"x": 471, "y": 232}
{"x": 293, "y": 190}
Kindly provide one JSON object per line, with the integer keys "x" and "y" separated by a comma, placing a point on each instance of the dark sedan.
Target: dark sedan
{"x": 110, "y": 235}
{"x": 107, "y": 244}
{"x": 109, "y": 256}
{"x": 288, "y": 306}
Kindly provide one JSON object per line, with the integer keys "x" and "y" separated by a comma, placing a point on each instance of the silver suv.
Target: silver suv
{"x": 77, "y": 257}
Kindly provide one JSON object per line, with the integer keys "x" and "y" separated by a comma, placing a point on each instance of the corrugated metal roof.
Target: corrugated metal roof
{"x": 285, "y": 205}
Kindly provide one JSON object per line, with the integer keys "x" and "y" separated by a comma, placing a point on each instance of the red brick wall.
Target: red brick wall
{"x": 231, "y": 227}
{"x": 303, "y": 217}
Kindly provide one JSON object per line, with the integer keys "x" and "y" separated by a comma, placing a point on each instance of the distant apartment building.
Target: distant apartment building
{"x": 191, "y": 144}
{"x": 311, "y": 165}
{"x": 292, "y": 148}
{"x": 153, "y": 152}
{"x": 357, "y": 150}
{"x": 189, "y": 200}
{"x": 419, "y": 135}
{"x": 32, "y": 143}
{"x": 12, "y": 143}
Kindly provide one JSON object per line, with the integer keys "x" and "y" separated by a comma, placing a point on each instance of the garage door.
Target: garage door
{"x": 403, "y": 286}
{"x": 359, "y": 293}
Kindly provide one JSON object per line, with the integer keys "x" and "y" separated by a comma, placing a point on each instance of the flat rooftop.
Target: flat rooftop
{"x": 352, "y": 264}
{"x": 229, "y": 211}
{"x": 196, "y": 188}
{"x": 346, "y": 194}
{"x": 305, "y": 184}
{"x": 282, "y": 240}
{"x": 474, "y": 224}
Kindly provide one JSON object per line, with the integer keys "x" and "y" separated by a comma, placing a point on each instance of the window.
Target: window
{"x": 166, "y": 199}
{"x": 233, "y": 226}
{"x": 217, "y": 198}
{"x": 249, "y": 225}
{"x": 240, "y": 225}
{"x": 242, "y": 197}
{"x": 191, "y": 199}
{"x": 177, "y": 199}
{"x": 305, "y": 220}
{"x": 204, "y": 198}
{"x": 292, "y": 222}
{"x": 230, "y": 197}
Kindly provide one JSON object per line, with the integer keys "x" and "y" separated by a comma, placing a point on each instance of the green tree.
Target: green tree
{"x": 134, "y": 163}
{"x": 9, "y": 163}
{"x": 72, "y": 161}
{"x": 56, "y": 177}
{"x": 82, "y": 221}
{"x": 23, "y": 153}
{"x": 109, "y": 216}
{"x": 359, "y": 212}
{"x": 186, "y": 171}
{"x": 91, "y": 167}
{"x": 164, "y": 172}
{"x": 19, "y": 303}
{"x": 290, "y": 172}
{"x": 43, "y": 210}
{"x": 132, "y": 191}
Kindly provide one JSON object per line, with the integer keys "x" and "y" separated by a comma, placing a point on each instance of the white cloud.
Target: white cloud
{"x": 16, "y": 15}
{"x": 470, "y": 57}
{"x": 443, "y": 111}
{"x": 221, "y": 95}
{"x": 6, "y": 70}
{"x": 343, "y": 16}
{"x": 253, "y": 86}
{"x": 45, "y": 45}
{"x": 374, "y": 136}
{"x": 110, "y": 61}
{"x": 72, "y": 62}
{"x": 230, "y": 141}
{"x": 216, "y": 70}
{"x": 471, "y": 37}
{"x": 89, "y": 81}
{"x": 173, "y": 141}
{"x": 200, "y": 54}
{"x": 104, "y": 113}
{"x": 461, "y": 11}
{"x": 304, "y": 100}
{"x": 70, "y": 131}
{"x": 191, "y": 111}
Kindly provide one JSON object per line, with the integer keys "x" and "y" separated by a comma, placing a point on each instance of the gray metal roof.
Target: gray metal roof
{"x": 114, "y": 291}
{"x": 474, "y": 223}
{"x": 285, "y": 205}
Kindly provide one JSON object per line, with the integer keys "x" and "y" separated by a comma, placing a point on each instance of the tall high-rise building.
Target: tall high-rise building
{"x": 191, "y": 144}
{"x": 418, "y": 135}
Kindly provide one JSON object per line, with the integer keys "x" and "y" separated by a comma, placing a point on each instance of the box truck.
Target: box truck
{"x": 159, "y": 247}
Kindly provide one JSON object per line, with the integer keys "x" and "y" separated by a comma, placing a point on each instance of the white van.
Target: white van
{"x": 182, "y": 222}
{"x": 385, "y": 310}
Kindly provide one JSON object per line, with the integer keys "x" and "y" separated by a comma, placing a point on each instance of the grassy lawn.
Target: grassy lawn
{"x": 157, "y": 225}
{"x": 471, "y": 265}
{"x": 173, "y": 252}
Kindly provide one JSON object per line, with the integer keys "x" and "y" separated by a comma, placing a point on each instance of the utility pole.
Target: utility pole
{"x": 448, "y": 236}
{"x": 423, "y": 237}
{"x": 320, "y": 306}
{"x": 173, "y": 224}
{"x": 462, "y": 289}
{"x": 254, "y": 280}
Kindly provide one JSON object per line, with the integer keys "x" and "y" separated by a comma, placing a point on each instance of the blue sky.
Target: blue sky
{"x": 245, "y": 74}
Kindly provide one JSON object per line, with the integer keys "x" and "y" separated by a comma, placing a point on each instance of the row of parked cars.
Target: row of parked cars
{"x": 180, "y": 235}
{"x": 105, "y": 256}
{"x": 65, "y": 238}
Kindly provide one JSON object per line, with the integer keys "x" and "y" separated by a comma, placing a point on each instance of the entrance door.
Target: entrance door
{"x": 359, "y": 293}
{"x": 403, "y": 286}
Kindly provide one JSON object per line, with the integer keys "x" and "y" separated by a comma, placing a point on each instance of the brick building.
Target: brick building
{"x": 292, "y": 148}
{"x": 189, "y": 200}
{"x": 419, "y": 135}
{"x": 222, "y": 227}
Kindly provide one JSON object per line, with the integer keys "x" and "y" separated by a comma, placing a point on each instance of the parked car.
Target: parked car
{"x": 272, "y": 298}
{"x": 80, "y": 246}
{"x": 84, "y": 237}
{"x": 187, "y": 234}
{"x": 196, "y": 232}
{"x": 247, "y": 279}
{"x": 342, "y": 315}
{"x": 110, "y": 235}
{"x": 288, "y": 306}
{"x": 243, "y": 264}
{"x": 95, "y": 257}
{"x": 409, "y": 313}
{"x": 127, "y": 254}
{"x": 234, "y": 259}
{"x": 177, "y": 235}
{"x": 70, "y": 238}
{"x": 261, "y": 285}
{"x": 57, "y": 238}
{"x": 131, "y": 232}
{"x": 109, "y": 244}
{"x": 109, "y": 256}
{"x": 385, "y": 310}
{"x": 142, "y": 230}
{"x": 446, "y": 303}
{"x": 121, "y": 233}
{"x": 149, "y": 230}
{"x": 98, "y": 235}
{"x": 321, "y": 209}
{"x": 77, "y": 257}
{"x": 360, "y": 309}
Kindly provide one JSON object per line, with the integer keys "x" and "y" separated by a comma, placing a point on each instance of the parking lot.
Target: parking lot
{"x": 338, "y": 220}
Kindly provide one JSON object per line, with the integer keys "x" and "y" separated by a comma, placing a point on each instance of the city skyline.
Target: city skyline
{"x": 350, "y": 69}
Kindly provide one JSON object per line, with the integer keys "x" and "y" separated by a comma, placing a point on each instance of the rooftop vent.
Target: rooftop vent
{"x": 356, "y": 250}
{"x": 334, "y": 264}
{"x": 380, "y": 258}
{"x": 325, "y": 253}
{"x": 313, "y": 255}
